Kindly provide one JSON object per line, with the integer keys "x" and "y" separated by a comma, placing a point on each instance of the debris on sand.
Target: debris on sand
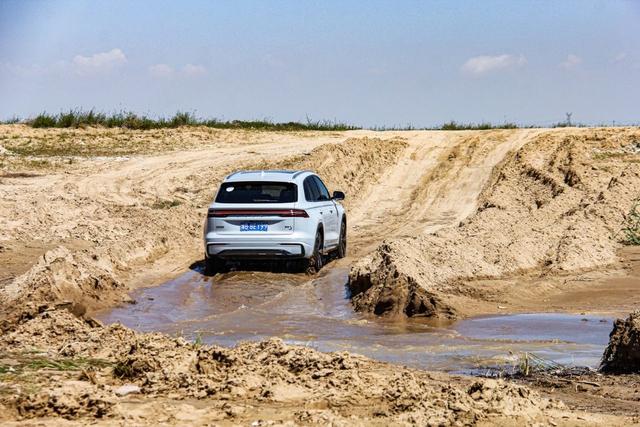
{"x": 127, "y": 389}
{"x": 68, "y": 399}
{"x": 622, "y": 355}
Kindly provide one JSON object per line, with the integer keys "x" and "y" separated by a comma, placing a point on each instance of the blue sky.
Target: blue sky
{"x": 367, "y": 63}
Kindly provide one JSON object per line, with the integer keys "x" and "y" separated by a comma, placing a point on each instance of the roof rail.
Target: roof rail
{"x": 234, "y": 173}
{"x": 295, "y": 175}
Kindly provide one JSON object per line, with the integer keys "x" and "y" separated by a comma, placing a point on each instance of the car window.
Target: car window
{"x": 311, "y": 192}
{"x": 324, "y": 193}
{"x": 257, "y": 192}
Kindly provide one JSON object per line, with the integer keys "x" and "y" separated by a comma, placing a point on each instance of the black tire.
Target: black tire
{"x": 342, "y": 243}
{"x": 316, "y": 261}
{"x": 213, "y": 266}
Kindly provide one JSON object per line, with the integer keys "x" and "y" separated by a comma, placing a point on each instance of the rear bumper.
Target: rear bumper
{"x": 258, "y": 247}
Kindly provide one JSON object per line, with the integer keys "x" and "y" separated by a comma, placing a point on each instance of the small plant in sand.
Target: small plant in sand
{"x": 198, "y": 341}
{"x": 631, "y": 227}
{"x": 21, "y": 362}
{"x": 123, "y": 369}
{"x": 165, "y": 204}
{"x": 453, "y": 125}
{"x": 529, "y": 364}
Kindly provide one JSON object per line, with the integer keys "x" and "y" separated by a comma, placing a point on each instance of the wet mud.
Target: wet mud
{"x": 316, "y": 312}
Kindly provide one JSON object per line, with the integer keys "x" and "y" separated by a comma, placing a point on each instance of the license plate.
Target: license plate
{"x": 254, "y": 226}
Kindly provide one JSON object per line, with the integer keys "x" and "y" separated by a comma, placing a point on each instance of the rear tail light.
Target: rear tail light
{"x": 222, "y": 213}
{"x": 298, "y": 213}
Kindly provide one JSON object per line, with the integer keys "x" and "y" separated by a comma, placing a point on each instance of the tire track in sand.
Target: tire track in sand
{"x": 436, "y": 183}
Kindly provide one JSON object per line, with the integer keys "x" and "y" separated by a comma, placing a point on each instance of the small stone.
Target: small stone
{"x": 458, "y": 407}
{"x": 490, "y": 384}
{"x": 234, "y": 410}
{"x": 582, "y": 388}
{"x": 321, "y": 373}
{"x": 127, "y": 389}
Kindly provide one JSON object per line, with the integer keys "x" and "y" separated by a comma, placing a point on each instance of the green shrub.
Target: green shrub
{"x": 631, "y": 227}
{"x": 130, "y": 120}
{"x": 12, "y": 121}
{"x": 43, "y": 120}
{"x": 165, "y": 204}
{"x": 453, "y": 125}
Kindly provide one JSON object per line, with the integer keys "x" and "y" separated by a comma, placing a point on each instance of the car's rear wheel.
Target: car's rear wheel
{"x": 342, "y": 243}
{"x": 316, "y": 260}
{"x": 213, "y": 265}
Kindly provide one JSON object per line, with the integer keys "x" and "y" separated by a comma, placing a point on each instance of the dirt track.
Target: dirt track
{"x": 86, "y": 230}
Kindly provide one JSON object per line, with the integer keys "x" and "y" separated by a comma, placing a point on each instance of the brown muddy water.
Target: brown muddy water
{"x": 242, "y": 306}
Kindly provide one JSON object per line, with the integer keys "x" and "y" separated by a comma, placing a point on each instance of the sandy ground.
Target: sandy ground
{"x": 446, "y": 224}
{"x": 553, "y": 207}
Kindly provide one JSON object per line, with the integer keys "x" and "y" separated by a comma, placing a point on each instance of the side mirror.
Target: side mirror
{"x": 338, "y": 195}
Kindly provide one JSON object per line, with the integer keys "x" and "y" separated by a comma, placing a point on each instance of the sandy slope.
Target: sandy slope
{"x": 77, "y": 232}
{"x": 553, "y": 206}
{"x": 434, "y": 184}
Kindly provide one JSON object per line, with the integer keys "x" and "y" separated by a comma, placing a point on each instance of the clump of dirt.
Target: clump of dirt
{"x": 622, "y": 355}
{"x": 61, "y": 276}
{"x": 390, "y": 291}
{"x": 589, "y": 390}
{"x": 69, "y": 399}
{"x": 262, "y": 374}
{"x": 552, "y": 206}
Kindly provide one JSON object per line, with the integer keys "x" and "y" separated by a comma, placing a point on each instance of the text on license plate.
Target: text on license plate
{"x": 254, "y": 226}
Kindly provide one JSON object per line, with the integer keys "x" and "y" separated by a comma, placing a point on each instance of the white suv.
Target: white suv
{"x": 274, "y": 215}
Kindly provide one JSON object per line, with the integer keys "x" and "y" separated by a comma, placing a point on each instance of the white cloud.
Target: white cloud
{"x": 619, "y": 57}
{"x": 486, "y": 63}
{"x": 192, "y": 70}
{"x": 82, "y": 65}
{"x": 99, "y": 62}
{"x": 571, "y": 61}
{"x": 163, "y": 71}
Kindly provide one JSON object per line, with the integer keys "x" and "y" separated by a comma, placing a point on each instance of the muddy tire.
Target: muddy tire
{"x": 316, "y": 260}
{"x": 341, "y": 252}
{"x": 213, "y": 266}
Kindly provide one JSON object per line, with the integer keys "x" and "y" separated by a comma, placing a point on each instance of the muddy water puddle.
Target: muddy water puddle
{"x": 242, "y": 306}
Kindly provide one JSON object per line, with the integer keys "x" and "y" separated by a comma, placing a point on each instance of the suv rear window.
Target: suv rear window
{"x": 257, "y": 192}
